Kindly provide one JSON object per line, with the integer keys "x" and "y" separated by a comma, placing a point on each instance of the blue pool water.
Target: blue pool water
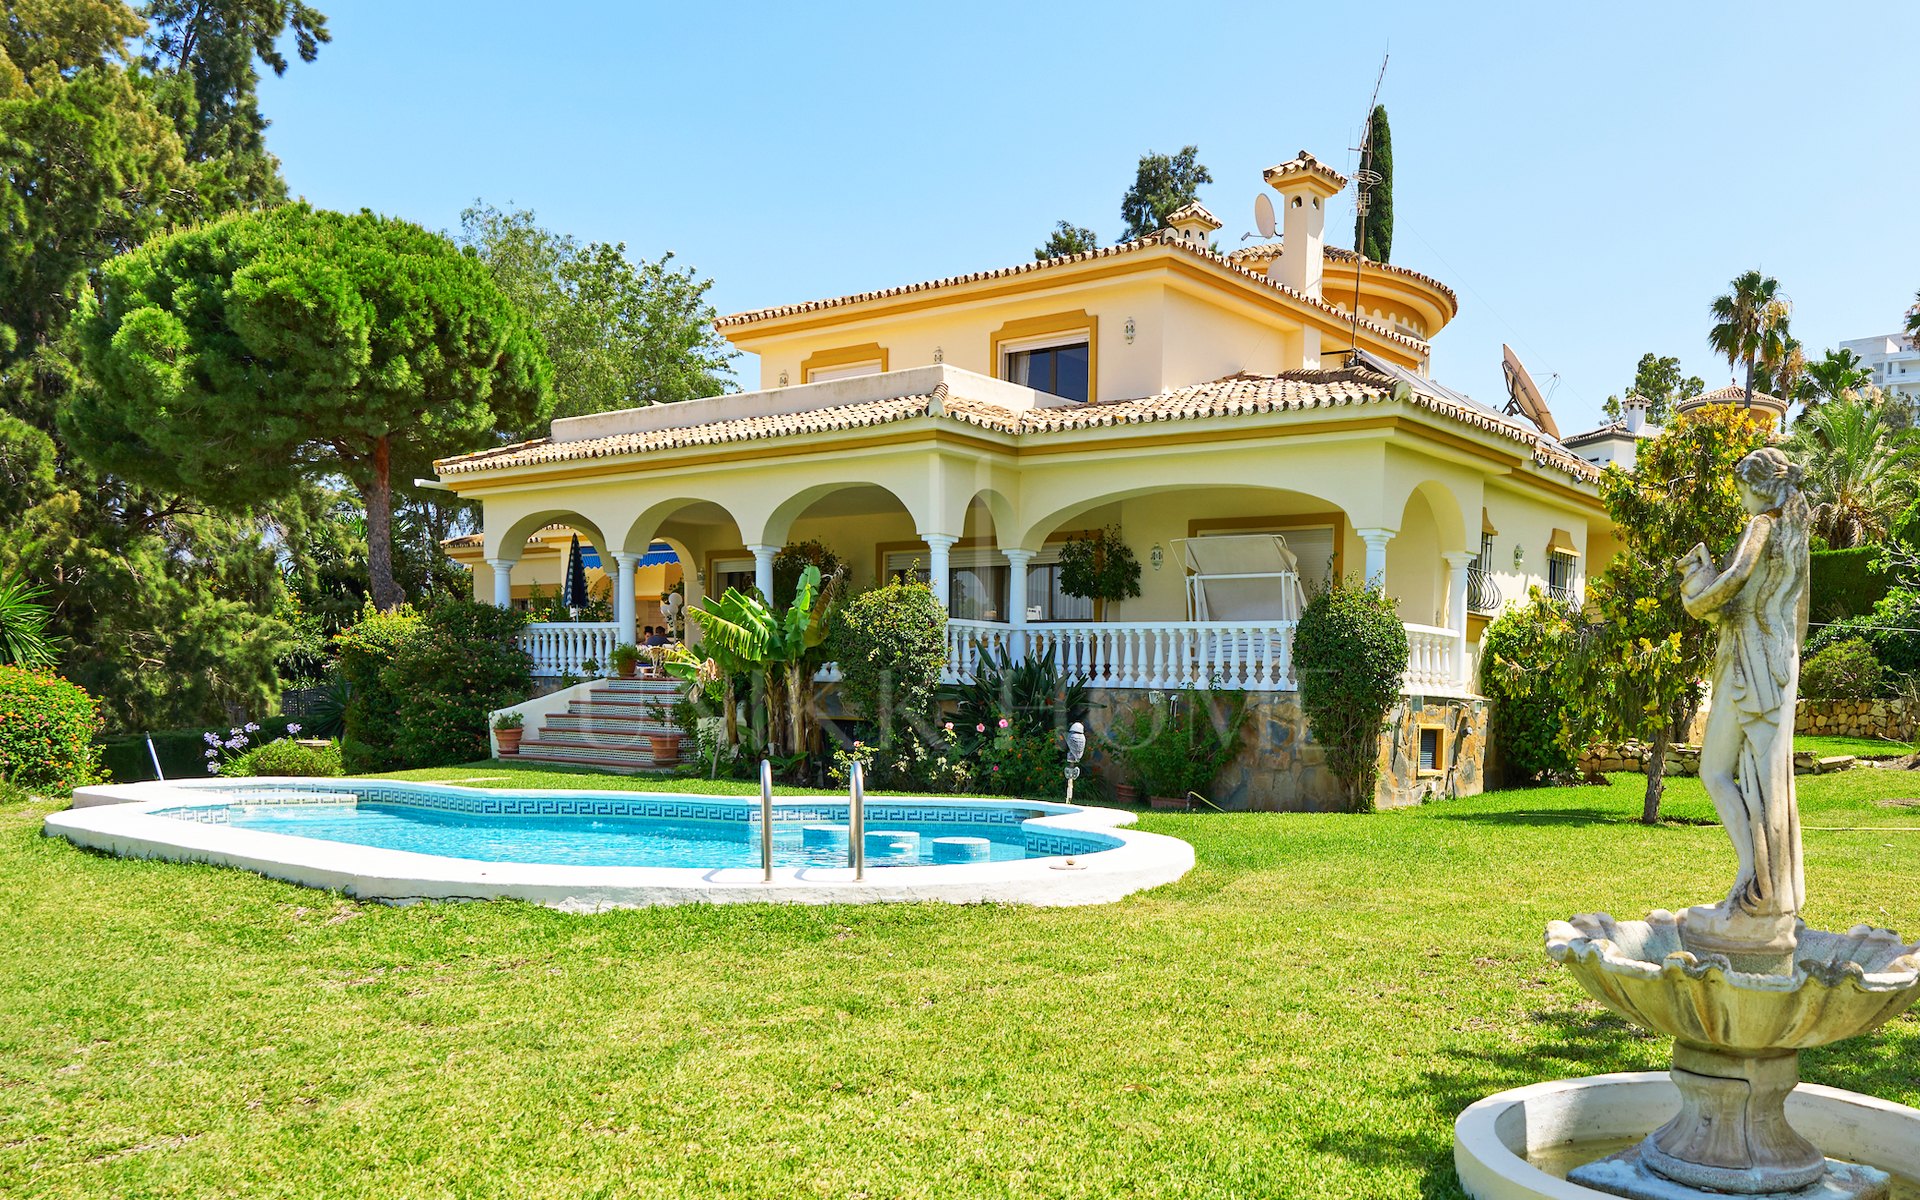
{"x": 615, "y": 830}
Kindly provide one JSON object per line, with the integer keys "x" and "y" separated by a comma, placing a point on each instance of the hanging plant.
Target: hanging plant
{"x": 1099, "y": 567}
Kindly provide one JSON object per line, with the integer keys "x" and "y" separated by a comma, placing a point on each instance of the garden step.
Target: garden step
{"x": 624, "y": 724}
{"x": 636, "y": 758}
{"x": 652, "y": 687}
{"x": 616, "y": 707}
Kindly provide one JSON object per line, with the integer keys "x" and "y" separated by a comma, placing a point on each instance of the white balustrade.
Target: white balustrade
{"x": 1255, "y": 656}
{"x": 1430, "y": 655}
{"x": 560, "y": 648}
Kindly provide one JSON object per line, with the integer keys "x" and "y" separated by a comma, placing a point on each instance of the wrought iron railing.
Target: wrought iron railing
{"x": 1483, "y": 594}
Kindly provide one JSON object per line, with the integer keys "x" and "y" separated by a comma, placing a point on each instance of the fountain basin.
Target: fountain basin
{"x": 1842, "y": 984}
{"x": 1517, "y": 1145}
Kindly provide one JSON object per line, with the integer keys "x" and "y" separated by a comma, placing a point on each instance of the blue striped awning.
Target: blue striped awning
{"x": 658, "y": 554}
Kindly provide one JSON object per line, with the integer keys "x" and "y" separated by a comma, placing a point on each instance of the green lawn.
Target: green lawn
{"x": 1806, "y": 743}
{"x": 1303, "y": 1015}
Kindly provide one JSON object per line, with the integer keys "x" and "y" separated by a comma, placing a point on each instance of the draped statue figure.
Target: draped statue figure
{"x": 1758, "y": 602}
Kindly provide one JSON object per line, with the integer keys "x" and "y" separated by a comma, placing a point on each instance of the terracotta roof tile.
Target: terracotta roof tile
{"x": 1164, "y": 237}
{"x": 1264, "y": 252}
{"x": 1732, "y": 394}
{"x": 1193, "y": 210}
{"x": 1235, "y": 395}
{"x": 1305, "y": 164}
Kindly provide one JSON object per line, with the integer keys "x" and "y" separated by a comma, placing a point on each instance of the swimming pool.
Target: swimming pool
{"x": 614, "y": 829}
{"x": 402, "y": 841}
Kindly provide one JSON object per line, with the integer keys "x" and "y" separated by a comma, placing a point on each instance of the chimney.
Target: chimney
{"x": 1193, "y": 225}
{"x": 1305, "y": 185}
{"x": 1633, "y": 413}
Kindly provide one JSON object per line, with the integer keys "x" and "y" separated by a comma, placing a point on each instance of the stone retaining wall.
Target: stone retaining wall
{"x": 1685, "y": 760}
{"x": 1888, "y": 719}
{"x": 1281, "y": 767}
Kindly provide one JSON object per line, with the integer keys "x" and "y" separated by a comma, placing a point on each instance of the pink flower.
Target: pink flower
{"x": 979, "y": 728}
{"x": 1004, "y": 722}
{"x": 949, "y": 726}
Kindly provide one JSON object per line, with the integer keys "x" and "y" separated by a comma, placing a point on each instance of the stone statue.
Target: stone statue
{"x": 1759, "y": 604}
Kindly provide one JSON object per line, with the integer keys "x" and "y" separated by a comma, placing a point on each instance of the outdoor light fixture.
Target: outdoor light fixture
{"x": 1129, "y": 331}
{"x": 939, "y": 355}
{"x": 783, "y": 379}
{"x": 1156, "y": 556}
{"x": 1519, "y": 555}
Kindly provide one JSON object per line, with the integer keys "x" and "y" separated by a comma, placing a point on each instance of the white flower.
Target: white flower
{"x": 293, "y": 729}
{"x": 213, "y": 768}
{"x": 210, "y": 738}
{"x": 252, "y": 728}
{"x": 212, "y": 753}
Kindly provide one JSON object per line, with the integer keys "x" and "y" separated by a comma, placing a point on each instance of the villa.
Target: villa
{"x": 1253, "y": 424}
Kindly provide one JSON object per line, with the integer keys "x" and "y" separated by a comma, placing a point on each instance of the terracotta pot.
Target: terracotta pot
{"x": 509, "y": 740}
{"x": 626, "y": 669}
{"x": 1178, "y": 802}
{"x": 1126, "y": 793}
{"x": 665, "y": 748}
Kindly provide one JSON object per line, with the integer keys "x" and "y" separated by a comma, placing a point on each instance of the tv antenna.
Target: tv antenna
{"x": 1364, "y": 181}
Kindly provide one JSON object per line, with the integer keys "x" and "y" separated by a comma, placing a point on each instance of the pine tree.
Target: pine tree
{"x": 1373, "y": 231}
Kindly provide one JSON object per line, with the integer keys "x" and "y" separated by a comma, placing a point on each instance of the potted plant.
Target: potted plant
{"x": 1126, "y": 792}
{"x": 1176, "y": 745}
{"x": 664, "y": 743}
{"x": 625, "y": 657}
{"x": 591, "y": 666}
{"x": 1099, "y": 567}
{"x": 507, "y": 730}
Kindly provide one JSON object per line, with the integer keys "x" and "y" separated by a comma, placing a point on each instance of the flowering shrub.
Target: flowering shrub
{"x": 47, "y": 727}
{"x": 911, "y": 760}
{"x": 1020, "y": 762}
{"x": 222, "y": 752}
{"x": 286, "y": 757}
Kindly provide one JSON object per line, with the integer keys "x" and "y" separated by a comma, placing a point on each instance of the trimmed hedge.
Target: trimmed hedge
{"x": 286, "y": 757}
{"x": 47, "y": 727}
{"x": 890, "y": 643}
{"x": 372, "y": 708}
{"x": 1843, "y": 670}
{"x": 1349, "y": 652}
{"x": 1845, "y": 583}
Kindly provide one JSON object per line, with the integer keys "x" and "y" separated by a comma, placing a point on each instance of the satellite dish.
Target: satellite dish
{"x": 1263, "y": 214}
{"x": 1273, "y": 270}
{"x": 1523, "y": 398}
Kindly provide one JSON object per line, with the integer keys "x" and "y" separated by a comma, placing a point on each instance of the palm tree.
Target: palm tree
{"x": 1782, "y": 370}
{"x": 1836, "y": 374}
{"x": 1743, "y": 321}
{"x": 1859, "y": 468}
{"x": 1913, "y": 322}
{"x": 23, "y": 626}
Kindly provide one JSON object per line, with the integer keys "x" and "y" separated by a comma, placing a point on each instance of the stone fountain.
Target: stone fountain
{"x": 1742, "y": 986}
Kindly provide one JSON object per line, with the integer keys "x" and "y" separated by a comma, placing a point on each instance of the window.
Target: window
{"x": 844, "y": 362}
{"x": 1560, "y": 576}
{"x": 1059, "y": 369}
{"x": 1432, "y": 756}
{"x": 977, "y": 580}
{"x": 730, "y": 573}
{"x": 1483, "y": 594}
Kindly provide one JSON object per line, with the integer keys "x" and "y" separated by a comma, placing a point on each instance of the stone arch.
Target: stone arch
{"x": 511, "y": 542}
{"x": 778, "y": 524}
{"x": 644, "y": 529}
{"x": 1432, "y": 525}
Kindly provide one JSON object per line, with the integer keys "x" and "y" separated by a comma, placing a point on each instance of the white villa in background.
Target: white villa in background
{"x": 1894, "y": 361}
{"x": 1231, "y": 414}
{"x": 1617, "y": 442}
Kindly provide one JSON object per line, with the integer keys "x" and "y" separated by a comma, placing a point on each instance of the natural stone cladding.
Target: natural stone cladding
{"x": 1281, "y": 767}
{"x": 1889, "y": 719}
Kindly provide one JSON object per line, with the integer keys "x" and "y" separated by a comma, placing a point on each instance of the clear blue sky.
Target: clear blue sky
{"x": 1586, "y": 177}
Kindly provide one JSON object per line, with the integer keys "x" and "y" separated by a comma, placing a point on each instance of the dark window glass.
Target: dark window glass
{"x": 1060, "y": 370}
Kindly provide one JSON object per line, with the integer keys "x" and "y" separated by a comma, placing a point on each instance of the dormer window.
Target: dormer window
{"x": 1058, "y": 367}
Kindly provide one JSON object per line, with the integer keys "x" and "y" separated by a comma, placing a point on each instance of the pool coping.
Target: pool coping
{"x": 121, "y": 819}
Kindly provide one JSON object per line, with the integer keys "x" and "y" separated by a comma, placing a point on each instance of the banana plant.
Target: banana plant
{"x": 771, "y": 646}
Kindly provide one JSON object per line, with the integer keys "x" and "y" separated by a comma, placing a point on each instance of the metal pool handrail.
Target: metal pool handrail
{"x": 766, "y": 821}
{"x": 857, "y": 820}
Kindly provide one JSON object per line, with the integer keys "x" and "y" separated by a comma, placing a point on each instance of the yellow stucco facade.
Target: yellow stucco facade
{"x": 1219, "y": 399}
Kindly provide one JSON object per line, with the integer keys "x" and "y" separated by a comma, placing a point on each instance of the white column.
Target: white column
{"x": 502, "y": 582}
{"x": 938, "y": 573}
{"x": 1376, "y": 569}
{"x": 1017, "y": 561}
{"x": 763, "y": 570}
{"x": 1458, "y": 562}
{"x": 624, "y": 608}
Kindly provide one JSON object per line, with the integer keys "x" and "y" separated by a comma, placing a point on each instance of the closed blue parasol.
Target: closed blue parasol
{"x": 574, "y": 593}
